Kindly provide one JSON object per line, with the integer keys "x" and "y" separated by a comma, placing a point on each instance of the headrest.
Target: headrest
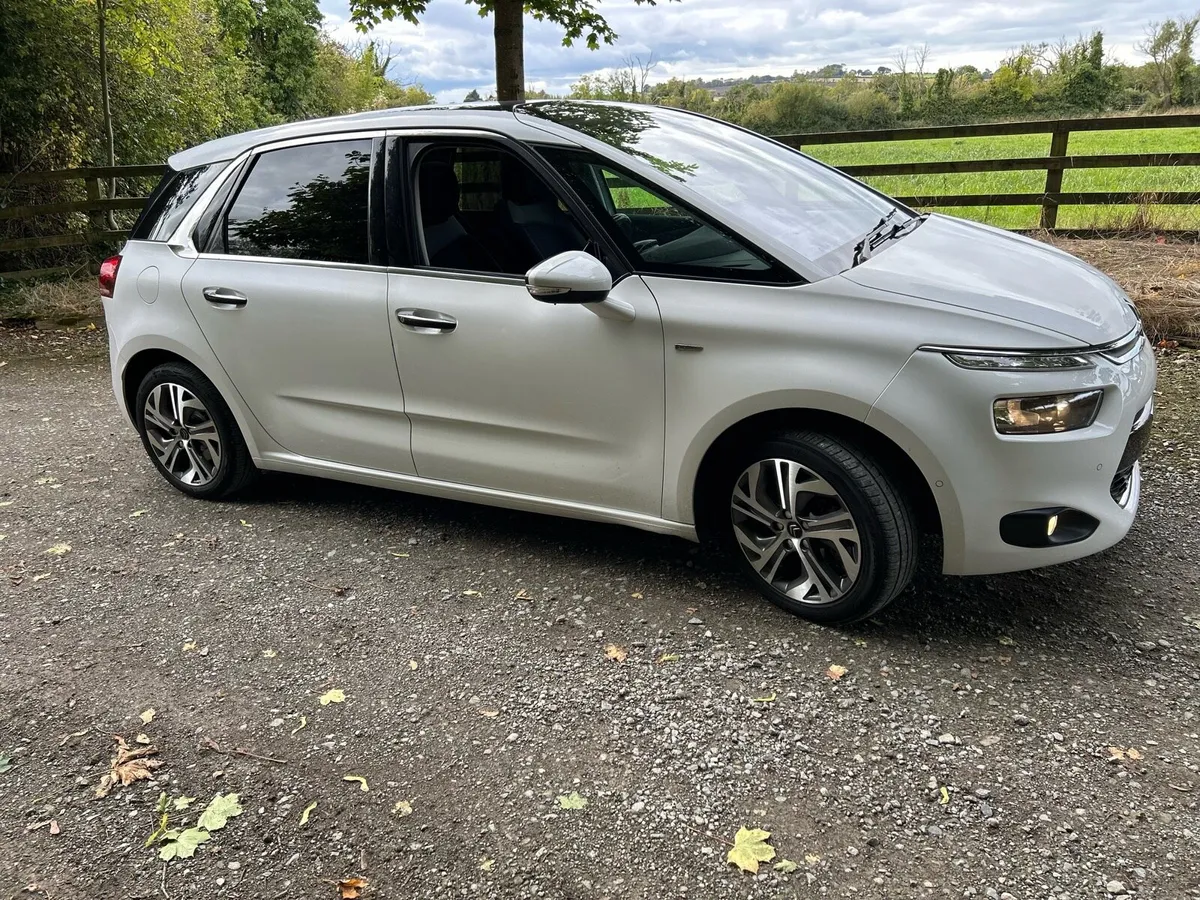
{"x": 437, "y": 186}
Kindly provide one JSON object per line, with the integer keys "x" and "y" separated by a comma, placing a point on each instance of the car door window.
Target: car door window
{"x": 482, "y": 209}
{"x": 660, "y": 234}
{"x": 306, "y": 202}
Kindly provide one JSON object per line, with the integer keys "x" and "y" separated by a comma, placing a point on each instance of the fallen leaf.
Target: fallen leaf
{"x": 616, "y": 653}
{"x": 128, "y": 766}
{"x": 412, "y": 664}
{"x": 142, "y": 738}
{"x": 182, "y": 803}
{"x": 245, "y": 524}
{"x": 147, "y": 716}
{"x": 42, "y": 577}
{"x": 637, "y": 595}
{"x": 362, "y": 782}
{"x": 769, "y": 698}
{"x": 1005, "y": 641}
{"x": 270, "y": 654}
{"x": 571, "y": 801}
{"x": 489, "y": 713}
{"x": 470, "y": 593}
{"x": 59, "y": 549}
{"x": 334, "y": 696}
{"x": 750, "y": 847}
{"x": 4, "y": 503}
{"x": 3, "y": 537}
{"x": 402, "y": 808}
{"x": 73, "y": 734}
{"x": 182, "y": 844}
{"x": 785, "y": 867}
{"x": 944, "y": 796}
{"x": 46, "y": 479}
{"x": 835, "y": 672}
{"x": 811, "y": 859}
{"x": 1133, "y": 753}
{"x": 485, "y": 864}
{"x": 203, "y": 651}
{"x": 351, "y": 888}
{"x": 219, "y": 811}
{"x": 54, "y": 829}
{"x": 399, "y": 555}
{"x": 522, "y": 595}
{"x": 303, "y": 722}
{"x": 307, "y": 812}
{"x": 859, "y": 642}
{"x": 668, "y": 658}
{"x": 5, "y": 763}
{"x": 188, "y": 645}
{"x": 137, "y": 513}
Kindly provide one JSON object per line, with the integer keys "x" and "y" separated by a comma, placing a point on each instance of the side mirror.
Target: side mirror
{"x": 571, "y": 277}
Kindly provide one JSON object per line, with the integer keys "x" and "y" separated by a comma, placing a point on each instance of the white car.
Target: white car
{"x": 632, "y": 315}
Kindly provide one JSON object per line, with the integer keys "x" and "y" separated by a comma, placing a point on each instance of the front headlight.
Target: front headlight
{"x": 1010, "y": 361}
{"x": 1048, "y": 414}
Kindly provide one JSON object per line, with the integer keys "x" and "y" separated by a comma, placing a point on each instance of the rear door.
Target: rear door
{"x": 290, "y": 296}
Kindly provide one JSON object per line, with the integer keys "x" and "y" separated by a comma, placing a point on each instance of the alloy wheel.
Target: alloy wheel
{"x": 182, "y": 434}
{"x": 796, "y": 531}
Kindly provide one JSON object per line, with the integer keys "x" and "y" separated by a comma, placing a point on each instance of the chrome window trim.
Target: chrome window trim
{"x": 287, "y": 260}
{"x": 181, "y": 239}
{"x": 459, "y": 275}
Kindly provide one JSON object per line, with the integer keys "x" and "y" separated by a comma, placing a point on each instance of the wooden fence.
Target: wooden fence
{"x": 98, "y": 207}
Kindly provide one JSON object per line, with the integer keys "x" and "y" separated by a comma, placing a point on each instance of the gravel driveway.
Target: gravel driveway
{"x": 965, "y": 752}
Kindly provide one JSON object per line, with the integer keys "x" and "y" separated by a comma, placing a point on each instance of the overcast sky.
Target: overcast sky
{"x": 450, "y": 52}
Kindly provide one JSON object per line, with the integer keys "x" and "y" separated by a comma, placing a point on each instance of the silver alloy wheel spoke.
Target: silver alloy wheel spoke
{"x": 796, "y": 531}
{"x": 182, "y": 434}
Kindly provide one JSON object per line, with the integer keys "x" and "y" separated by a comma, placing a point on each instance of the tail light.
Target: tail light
{"x": 108, "y": 275}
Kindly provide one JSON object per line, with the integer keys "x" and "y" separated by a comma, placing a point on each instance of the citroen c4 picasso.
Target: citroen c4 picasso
{"x": 633, "y": 315}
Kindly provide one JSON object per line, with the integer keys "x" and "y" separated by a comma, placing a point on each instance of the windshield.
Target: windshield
{"x": 818, "y": 212}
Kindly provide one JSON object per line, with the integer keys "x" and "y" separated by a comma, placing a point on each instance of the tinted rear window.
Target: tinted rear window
{"x": 171, "y": 201}
{"x": 306, "y": 202}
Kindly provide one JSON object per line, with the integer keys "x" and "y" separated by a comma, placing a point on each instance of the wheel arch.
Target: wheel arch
{"x": 906, "y": 474}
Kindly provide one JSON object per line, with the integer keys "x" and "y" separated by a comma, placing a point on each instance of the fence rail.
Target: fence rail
{"x": 99, "y": 207}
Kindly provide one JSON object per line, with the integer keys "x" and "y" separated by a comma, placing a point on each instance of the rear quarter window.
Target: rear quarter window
{"x": 171, "y": 200}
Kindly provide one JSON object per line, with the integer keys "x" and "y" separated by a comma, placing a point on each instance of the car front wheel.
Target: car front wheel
{"x": 819, "y": 527}
{"x": 189, "y": 433}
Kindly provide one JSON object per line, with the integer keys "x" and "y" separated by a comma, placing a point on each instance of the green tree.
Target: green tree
{"x": 1169, "y": 45}
{"x": 579, "y": 19}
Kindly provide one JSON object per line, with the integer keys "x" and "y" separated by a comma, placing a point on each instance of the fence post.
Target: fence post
{"x": 95, "y": 216}
{"x": 1054, "y": 177}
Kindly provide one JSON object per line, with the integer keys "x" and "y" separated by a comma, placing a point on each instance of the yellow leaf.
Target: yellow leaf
{"x": 945, "y": 796}
{"x": 303, "y": 722}
{"x": 359, "y": 780}
{"x": 750, "y": 847}
{"x": 769, "y": 698}
{"x": 182, "y": 803}
{"x": 785, "y": 867}
{"x": 616, "y": 653}
{"x": 245, "y": 524}
{"x": 402, "y": 808}
{"x": 4, "y": 503}
{"x": 572, "y": 801}
{"x": 489, "y": 713}
{"x": 148, "y": 716}
{"x": 668, "y": 658}
{"x": 412, "y": 664}
{"x": 399, "y": 555}
{"x": 335, "y": 696}
{"x": 270, "y": 654}
{"x": 470, "y": 593}
{"x": 522, "y": 595}
{"x": 41, "y": 577}
{"x": 811, "y": 858}
{"x": 485, "y": 864}
{"x": 351, "y": 888}
{"x": 835, "y": 672}
{"x": 859, "y": 642}
{"x": 637, "y": 595}
{"x": 189, "y": 645}
{"x": 137, "y": 513}
{"x": 3, "y": 536}
{"x": 142, "y": 739}
{"x": 59, "y": 549}
{"x": 1133, "y": 753}
{"x": 307, "y": 812}
{"x": 1005, "y": 640}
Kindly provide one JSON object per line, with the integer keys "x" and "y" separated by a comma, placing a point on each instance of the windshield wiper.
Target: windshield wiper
{"x": 881, "y": 234}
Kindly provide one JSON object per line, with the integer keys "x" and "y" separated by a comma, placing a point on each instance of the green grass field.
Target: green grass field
{"x": 1156, "y": 140}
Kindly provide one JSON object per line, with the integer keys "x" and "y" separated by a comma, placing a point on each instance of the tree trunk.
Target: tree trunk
{"x": 106, "y": 106}
{"x": 510, "y": 49}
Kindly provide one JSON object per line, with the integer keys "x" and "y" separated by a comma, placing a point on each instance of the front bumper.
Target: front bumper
{"x": 942, "y": 416}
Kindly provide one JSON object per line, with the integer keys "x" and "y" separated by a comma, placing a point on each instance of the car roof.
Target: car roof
{"x": 486, "y": 116}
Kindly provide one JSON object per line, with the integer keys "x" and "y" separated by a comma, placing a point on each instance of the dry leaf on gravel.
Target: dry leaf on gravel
{"x": 138, "y": 513}
{"x": 943, "y": 796}
{"x": 307, "y": 812}
{"x": 182, "y": 803}
{"x": 812, "y": 859}
{"x": 616, "y": 653}
{"x": 334, "y": 696}
{"x": 769, "y": 698}
{"x": 402, "y": 808}
{"x": 188, "y": 645}
{"x": 571, "y": 801}
{"x": 470, "y": 593}
{"x": 359, "y": 780}
{"x": 637, "y": 595}
{"x": 412, "y": 664}
{"x": 270, "y": 654}
{"x": 1124, "y": 753}
{"x": 303, "y": 722}
{"x": 522, "y": 595}
{"x": 245, "y": 524}
{"x": 668, "y": 658}
{"x": 399, "y": 555}
{"x": 750, "y": 847}
{"x": 351, "y": 888}
{"x": 128, "y": 766}
{"x": 785, "y": 867}
{"x": 489, "y": 713}
{"x": 5, "y": 763}
{"x": 147, "y": 716}
{"x": 835, "y": 672}
{"x": 59, "y": 550}
{"x": 142, "y": 738}
{"x": 486, "y": 864}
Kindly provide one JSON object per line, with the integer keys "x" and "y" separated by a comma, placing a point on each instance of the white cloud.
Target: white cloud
{"x": 450, "y": 52}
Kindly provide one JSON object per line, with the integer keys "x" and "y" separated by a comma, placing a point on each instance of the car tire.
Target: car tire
{"x": 841, "y": 550}
{"x": 190, "y": 435}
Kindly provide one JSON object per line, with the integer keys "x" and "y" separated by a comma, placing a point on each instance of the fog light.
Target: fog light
{"x": 1051, "y": 527}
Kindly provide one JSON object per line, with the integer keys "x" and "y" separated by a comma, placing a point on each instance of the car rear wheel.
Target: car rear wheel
{"x": 190, "y": 435}
{"x": 819, "y": 527}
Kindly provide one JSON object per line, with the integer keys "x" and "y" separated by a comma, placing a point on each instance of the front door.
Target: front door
{"x": 295, "y": 312}
{"x": 504, "y": 391}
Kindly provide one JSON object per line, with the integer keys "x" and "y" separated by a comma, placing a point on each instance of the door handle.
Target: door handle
{"x": 222, "y": 296}
{"x": 426, "y": 321}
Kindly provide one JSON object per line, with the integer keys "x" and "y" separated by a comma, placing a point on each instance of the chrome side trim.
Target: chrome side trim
{"x": 302, "y": 465}
{"x": 284, "y": 260}
{"x": 1132, "y": 335}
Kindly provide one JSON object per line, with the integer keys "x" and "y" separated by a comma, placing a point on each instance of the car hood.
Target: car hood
{"x": 980, "y": 268}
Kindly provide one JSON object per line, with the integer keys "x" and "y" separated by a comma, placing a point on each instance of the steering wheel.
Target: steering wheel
{"x": 624, "y": 223}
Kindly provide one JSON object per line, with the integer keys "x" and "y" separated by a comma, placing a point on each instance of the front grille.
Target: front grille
{"x": 1120, "y": 486}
